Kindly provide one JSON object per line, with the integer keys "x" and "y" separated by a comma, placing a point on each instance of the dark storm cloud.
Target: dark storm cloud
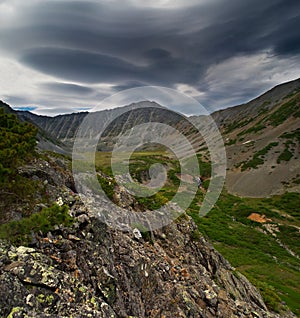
{"x": 89, "y": 67}
{"x": 16, "y": 100}
{"x": 246, "y": 27}
{"x": 157, "y": 54}
{"x": 66, "y": 88}
{"x": 288, "y": 39}
{"x": 80, "y": 65}
{"x": 233, "y": 96}
{"x": 154, "y": 36}
{"x": 127, "y": 45}
{"x": 128, "y": 85}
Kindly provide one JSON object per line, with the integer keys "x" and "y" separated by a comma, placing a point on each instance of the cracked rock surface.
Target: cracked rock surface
{"x": 92, "y": 270}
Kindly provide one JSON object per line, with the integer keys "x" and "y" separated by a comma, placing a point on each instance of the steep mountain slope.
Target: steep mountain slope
{"x": 266, "y": 101}
{"x": 263, "y": 143}
{"x": 64, "y": 127}
{"x": 261, "y": 137}
{"x": 6, "y": 108}
{"x": 45, "y": 140}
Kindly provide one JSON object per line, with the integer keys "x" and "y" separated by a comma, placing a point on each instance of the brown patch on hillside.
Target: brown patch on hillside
{"x": 256, "y": 217}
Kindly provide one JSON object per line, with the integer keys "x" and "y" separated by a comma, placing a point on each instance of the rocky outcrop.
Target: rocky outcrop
{"x": 51, "y": 178}
{"x": 52, "y": 171}
{"x": 90, "y": 270}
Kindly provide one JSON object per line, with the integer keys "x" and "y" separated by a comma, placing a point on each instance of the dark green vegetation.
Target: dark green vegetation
{"x": 17, "y": 147}
{"x": 140, "y": 162}
{"x": 257, "y": 158}
{"x": 107, "y": 186}
{"x": 291, "y": 139}
{"x": 236, "y": 124}
{"x": 289, "y": 108}
{"x": 252, "y": 129}
{"x": 253, "y": 250}
{"x": 262, "y": 254}
{"x": 230, "y": 142}
{"x": 17, "y": 143}
{"x": 295, "y": 134}
{"x": 20, "y": 232}
{"x": 286, "y": 155}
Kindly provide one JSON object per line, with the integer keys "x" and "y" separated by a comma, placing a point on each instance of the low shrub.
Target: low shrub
{"x": 20, "y": 232}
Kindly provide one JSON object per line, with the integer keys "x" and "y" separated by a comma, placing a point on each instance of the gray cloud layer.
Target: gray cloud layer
{"x": 84, "y": 43}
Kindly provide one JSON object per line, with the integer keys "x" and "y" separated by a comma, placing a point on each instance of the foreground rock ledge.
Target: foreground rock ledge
{"x": 90, "y": 270}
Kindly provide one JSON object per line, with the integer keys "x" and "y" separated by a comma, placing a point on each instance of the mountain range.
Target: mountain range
{"x": 261, "y": 137}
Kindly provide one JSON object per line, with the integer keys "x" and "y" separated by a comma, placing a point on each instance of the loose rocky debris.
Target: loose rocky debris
{"x": 51, "y": 178}
{"x": 272, "y": 229}
{"x": 90, "y": 270}
{"x": 53, "y": 173}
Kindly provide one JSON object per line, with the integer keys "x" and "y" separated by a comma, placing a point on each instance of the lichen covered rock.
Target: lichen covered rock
{"x": 90, "y": 270}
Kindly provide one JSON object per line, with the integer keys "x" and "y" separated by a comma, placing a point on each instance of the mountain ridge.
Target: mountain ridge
{"x": 248, "y": 129}
{"x": 278, "y": 90}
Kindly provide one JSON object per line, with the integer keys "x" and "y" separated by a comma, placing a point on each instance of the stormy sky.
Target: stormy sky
{"x": 62, "y": 56}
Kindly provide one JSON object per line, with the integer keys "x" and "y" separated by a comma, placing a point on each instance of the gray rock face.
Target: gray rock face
{"x": 90, "y": 270}
{"x": 53, "y": 179}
